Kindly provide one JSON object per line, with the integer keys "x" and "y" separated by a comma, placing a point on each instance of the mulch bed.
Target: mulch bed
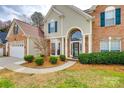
{"x": 46, "y": 64}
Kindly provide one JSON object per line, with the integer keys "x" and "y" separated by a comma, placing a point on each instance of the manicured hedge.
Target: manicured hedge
{"x": 102, "y": 58}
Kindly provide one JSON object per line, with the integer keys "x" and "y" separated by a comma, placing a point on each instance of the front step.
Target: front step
{"x": 72, "y": 59}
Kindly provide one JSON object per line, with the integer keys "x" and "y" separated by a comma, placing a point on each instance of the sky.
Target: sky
{"x": 8, "y": 12}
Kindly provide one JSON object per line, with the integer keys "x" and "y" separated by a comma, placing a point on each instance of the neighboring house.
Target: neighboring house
{"x": 3, "y": 43}
{"x": 72, "y": 31}
{"x": 20, "y": 39}
{"x": 108, "y": 27}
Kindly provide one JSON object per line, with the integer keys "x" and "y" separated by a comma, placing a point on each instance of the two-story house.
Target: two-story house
{"x": 72, "y": 31}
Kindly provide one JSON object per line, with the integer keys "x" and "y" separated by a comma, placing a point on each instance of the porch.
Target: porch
{"x": 71, "y": 45}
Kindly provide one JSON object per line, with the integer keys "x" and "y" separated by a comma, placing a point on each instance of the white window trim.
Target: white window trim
{"x": 110, "y": 8}
{"x": 114, "y": 18}
{"x": 71, "y": 48}
{"x": 119, "y": 43}
{"x": 56, "y": 41}
{"x": 52, "y": 21}
{"x": 104, "y": 40}
{"x": 109, "y": 40}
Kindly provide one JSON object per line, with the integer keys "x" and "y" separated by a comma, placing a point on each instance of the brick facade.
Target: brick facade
{"x": 116, "y": 31}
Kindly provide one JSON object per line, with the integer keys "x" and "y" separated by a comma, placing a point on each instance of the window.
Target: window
{"x": 109, "y": 17}
{"x": 15, "y": 29}
{"x": 115, "y": 45}
{"x": 52, "y": 27}
{"x": 76, "y": 36}
{"x": 58, "y": 50}
{"x": 104, "y": 45}
{"x": 53, "y": 48}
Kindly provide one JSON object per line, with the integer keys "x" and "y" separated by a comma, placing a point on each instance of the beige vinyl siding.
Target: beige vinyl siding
{"x": 55, "y": 17}
{"x": 71, "y": 20}
{"x": 32, "y": 49}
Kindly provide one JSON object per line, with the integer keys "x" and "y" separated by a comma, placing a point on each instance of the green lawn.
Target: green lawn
{"x": 78, "y": 76}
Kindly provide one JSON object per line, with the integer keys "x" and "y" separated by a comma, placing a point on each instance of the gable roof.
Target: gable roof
{"x": 54, "y": 10}
{"x": 27, "y": 29}
{"x": 91, "y": 9}
{"x": 76, "y": 9}
{"x": 3, "y": 37}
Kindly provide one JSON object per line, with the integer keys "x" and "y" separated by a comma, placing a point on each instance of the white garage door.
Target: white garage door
{"x": 1, "y": 51}
{"x": 17, "y": 49}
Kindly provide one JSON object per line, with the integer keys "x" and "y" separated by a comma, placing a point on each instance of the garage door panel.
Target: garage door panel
{"x": 17, "y": 50}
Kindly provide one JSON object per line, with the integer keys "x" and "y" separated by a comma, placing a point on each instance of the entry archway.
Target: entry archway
{"x": 74, "y": 42}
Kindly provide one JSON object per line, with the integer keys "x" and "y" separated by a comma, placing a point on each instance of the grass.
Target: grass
{"x": 77, "y": 76}
{"x": 6, "y": 83}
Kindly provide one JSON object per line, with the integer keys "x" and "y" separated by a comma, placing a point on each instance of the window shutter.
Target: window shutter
{"x": 102, "y": 19}
{"x": 14, "y": 31}
{"x": 55, "y": 26}
{"x": 48, "y": 27}
{"x": 118, "y": 16}
{"x": 17, "y": 28}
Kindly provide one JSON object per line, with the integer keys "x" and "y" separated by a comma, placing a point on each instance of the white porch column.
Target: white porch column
{"x": 90, "y": 43}
{"x": 56, "y": 47}
{"x": 28, "y": 46}
{"x": 66, "y": 53}
{"x": 62, "y": 46}
{"x": 83, "y": 43}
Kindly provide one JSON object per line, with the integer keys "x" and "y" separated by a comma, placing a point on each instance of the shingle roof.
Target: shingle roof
{"x": 28, "y": 29}
{"x": 3, "y": 37}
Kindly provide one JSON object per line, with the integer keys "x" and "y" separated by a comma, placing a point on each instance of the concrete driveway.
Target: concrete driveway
{"x": 8, "y": 61}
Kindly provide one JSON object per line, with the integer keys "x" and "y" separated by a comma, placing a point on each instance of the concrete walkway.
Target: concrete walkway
{"x": 13, "y": 64}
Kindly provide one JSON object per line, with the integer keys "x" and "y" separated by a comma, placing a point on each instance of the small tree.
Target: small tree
{"x": 41, "y": 44}
{"x": 37, "y": 19}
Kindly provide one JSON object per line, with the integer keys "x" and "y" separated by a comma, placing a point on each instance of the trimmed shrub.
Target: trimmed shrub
{"x": 39, "y": 60}
{"x": 62, "y": 57}
{"x": 53, "y": 59}
{"x": 102, "y": 58}
{"x": 42, "y": 55}
{"x": 29, "y": 58}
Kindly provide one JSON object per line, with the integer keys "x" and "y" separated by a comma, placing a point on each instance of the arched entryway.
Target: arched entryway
{"x": 75, "y": 43}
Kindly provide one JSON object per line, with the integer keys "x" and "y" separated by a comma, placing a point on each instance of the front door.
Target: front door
{"x": 75, "y": 49}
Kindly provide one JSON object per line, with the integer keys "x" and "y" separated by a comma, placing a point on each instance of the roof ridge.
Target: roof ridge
{"x": 25, "y": 22}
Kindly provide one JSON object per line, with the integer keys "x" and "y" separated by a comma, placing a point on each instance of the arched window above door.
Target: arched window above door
{"x": 76, "y": 36}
